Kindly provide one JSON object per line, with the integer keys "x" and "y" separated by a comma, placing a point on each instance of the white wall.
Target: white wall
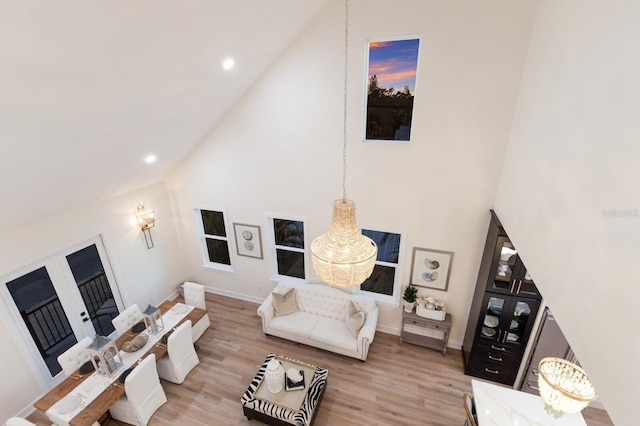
{"x": 573, "y": 158}
{"x": 143, "y": 276}
{"x": 279, "y": 150}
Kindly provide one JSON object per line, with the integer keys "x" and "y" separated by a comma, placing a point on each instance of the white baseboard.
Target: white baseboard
{"x": 226, "y": 293}
{"x": 234, "y": 295}
{"x": 173, "y": 295}
{"x": 28, "y": 410}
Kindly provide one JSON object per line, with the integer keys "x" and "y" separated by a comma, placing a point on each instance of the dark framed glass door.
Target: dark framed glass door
{"x": 60, "y": 300}
{"x": 93, "y": 284}
{"x": 43, "y": 315}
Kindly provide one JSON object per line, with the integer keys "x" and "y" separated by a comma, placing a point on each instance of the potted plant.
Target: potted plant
{"x": 409, "y": 298}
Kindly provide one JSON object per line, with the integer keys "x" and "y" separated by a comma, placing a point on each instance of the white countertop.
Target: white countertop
{"x": 503, "y": 406}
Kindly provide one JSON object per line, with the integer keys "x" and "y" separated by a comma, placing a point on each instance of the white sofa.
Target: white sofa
{"x": 320, "y": 321}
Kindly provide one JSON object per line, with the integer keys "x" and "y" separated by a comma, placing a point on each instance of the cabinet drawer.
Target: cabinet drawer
{"x": 498, "y": 357}
{"x": 496, "y": 372}
{"x": 427, "y": 324}
{"x": 530, "y": 385}
{"x": 423, "y": 331}
{"x": 497, "y": 348}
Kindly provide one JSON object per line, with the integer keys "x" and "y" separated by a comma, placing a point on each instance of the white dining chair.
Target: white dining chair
{"x": 143, "y": 394}
{"x": 127, "y": 319}
{"x": 18, "y": 421}
{"x": 194, "y": 296}
{"x": 74, "y": 357}
{"x": 182, "y": 357}
{"x": 470, "y": 408}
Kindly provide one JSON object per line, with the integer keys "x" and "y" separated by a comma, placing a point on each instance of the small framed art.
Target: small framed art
{"x": 248, "y": 241}
{"x": 431, "y": 268}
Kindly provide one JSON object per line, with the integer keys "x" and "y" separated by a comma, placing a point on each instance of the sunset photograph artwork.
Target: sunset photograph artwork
{"x": 391, "y": 80}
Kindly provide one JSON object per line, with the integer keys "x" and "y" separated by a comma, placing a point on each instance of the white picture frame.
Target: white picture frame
{"x": 248, "y": 240}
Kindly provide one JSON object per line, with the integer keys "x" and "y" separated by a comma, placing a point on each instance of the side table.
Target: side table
{"x": 425, "y": 331}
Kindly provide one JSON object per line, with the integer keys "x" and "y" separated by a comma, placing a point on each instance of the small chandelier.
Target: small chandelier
{"x": 343, "y": 257}
{"x": 564, "y": 386}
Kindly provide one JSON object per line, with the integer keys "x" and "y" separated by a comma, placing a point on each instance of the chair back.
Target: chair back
{"x": 75, "y": 356}
{"x": 181, "y": 352}
{"x": 194, "y": 295}
{"x": 470, "y": 408}
{"x": 127, "y": 319}
{"x": 143, "y": 389}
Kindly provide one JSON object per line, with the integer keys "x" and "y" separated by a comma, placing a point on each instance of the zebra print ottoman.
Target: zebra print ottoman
{"x": 280, "y": 409}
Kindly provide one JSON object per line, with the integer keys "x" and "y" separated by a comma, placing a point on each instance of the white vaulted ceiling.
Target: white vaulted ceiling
{"x": 89, "y": 88}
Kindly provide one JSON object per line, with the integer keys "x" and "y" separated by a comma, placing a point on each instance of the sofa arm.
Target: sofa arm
{"x": 266, "y": 312}
{"x": 367, "y": 332}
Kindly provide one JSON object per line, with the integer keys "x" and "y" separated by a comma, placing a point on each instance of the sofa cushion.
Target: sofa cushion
{"x": 285, "y": 303}
{"x": 333, "y": 332}
{"x": 298, "y": 323}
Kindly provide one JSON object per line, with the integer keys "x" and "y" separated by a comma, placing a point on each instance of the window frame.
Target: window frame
{"x": 202, "y": 239}
{"x": 273, "y": 256}
{"x": 392, "y": 299}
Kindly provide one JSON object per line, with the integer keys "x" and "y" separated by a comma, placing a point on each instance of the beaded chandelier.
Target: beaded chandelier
{"x": 343, "y": 257}
{"x": 564, "y": 386}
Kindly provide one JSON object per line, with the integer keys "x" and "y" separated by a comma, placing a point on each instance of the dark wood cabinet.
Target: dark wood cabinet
{"x": 503, "y": 311}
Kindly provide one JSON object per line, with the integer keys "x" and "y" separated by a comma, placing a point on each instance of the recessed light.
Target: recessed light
{"x": 150, "y": 159}
{"x": 228, "y": 64}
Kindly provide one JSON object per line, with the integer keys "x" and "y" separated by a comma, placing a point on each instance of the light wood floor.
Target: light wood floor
{"x": 399, "y": 384}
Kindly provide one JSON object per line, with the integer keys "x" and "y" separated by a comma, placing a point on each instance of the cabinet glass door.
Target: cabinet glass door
{"x": 493, "y": 313}
{"x": 522, "y": 313}
{"x": 524, "y": 285}
{"x": 505, "y": 263}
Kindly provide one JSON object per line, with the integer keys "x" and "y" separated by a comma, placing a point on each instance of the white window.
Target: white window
{"x": 288, "y": 244}
{"x": 214, "y": 239}
{"x": 384, "y": 283}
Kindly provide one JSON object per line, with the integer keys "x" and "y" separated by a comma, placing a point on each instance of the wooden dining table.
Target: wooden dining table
{"x": 99, "y": 406}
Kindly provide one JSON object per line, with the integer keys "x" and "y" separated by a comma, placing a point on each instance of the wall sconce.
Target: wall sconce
{"x": 146, "y": 220}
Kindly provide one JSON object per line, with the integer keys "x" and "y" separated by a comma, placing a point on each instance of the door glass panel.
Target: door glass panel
{"x": 505, "y": 267}
{"x": 492, "y": 318}
{"x": 40, "y": 309}
{"x": 519, "y": 320}
{"x": 526, "y": 286}
{"x": 94, "y": 288}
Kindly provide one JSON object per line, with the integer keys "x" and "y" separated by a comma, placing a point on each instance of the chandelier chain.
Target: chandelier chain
{"x": 344, "y": 125}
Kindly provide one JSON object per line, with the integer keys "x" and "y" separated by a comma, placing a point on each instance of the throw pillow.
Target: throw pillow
{"x": 285, "y": 303}
{"x": 354, "y": 322}
{"x": 352, "y": 308}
